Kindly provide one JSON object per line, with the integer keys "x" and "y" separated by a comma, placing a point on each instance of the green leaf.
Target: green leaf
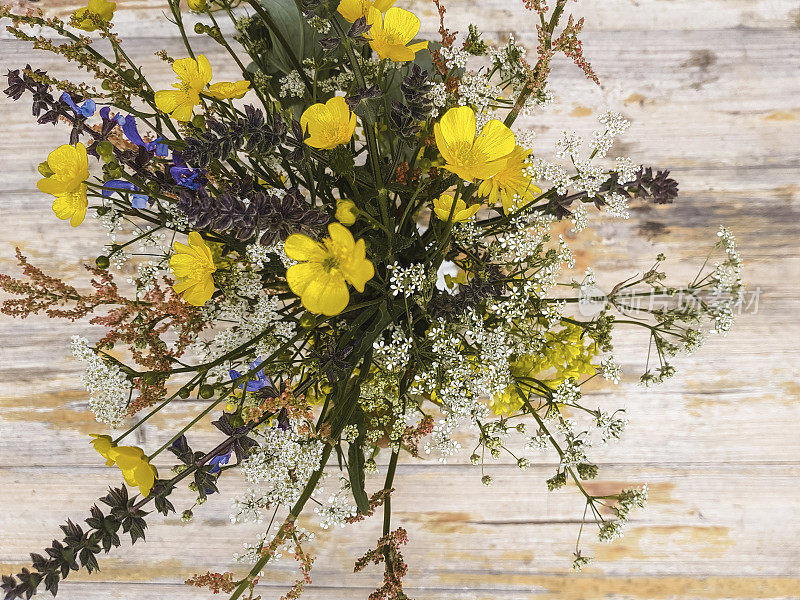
{"x": 295, "y": 31}
{"x": 355, "y": 465}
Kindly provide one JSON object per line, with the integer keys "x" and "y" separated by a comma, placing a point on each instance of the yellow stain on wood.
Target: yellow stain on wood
{"x": 581, "y": 111}
{"x": 792, "y": 389}
{"x": 62, "y": 410}
{"x": 590, "y": 587}
{"x": 780, "y": 115}
{"x": 657, "y": 493}
{"x": 67, "y": 410}
{"x": 635, "y": 99}
{"x": 443, "y": 522}
{"x": 662, "y": 542}
{"x": 162, "y": 570}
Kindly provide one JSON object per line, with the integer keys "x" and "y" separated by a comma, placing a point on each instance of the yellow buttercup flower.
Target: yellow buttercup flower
{"x": 194, "y": 75}
{"x": 512, "y": 186}
{"x": 225, "y": 90}
{"x": 444, "y": 203}
{"x": 97, "y": 8}
{"x": 321, "y": 278}
{"x": 352, "y": 10}
{"x": 346, "y": 212}
{"x": 466, "y": 155}
{"x": 194, "y": 266}
{"x": 328, "y": 125}
{"x": 564, "y": 355}
{"x": 390, "y": 34}
{"x": 135, "y": 467}
{"x": 70, "y": 169}
{"x": 103, "y": 445}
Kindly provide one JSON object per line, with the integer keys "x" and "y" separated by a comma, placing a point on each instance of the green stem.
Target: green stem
{"x": 369, "y": 121}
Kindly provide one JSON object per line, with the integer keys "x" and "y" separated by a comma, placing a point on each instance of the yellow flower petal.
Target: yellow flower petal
{"x": 341, "y": 237}
{"x": 168, "y": 100}
{"x": 194, "y": 266}
{"x": 389, "y": 34}
{"x": 102, "y": 445}
{"x": 495, "y": 141}
{"x": 301, "y": 247}
{"x": 144, "y": 475}
{"x": 300, "y": 276}
{"x": 326, "y": 294}
{"x": 401, "y": 25}
{"x": 126, "y": 457}
{"x": 328, "y": 125}
{"x": 80, "y": 203}
{"x": 358, "y": 271}
{"x": 225, "y": 90}
{"x": 353, "y": 10}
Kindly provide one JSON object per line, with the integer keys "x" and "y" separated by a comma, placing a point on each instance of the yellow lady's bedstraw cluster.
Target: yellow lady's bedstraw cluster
{"x": 566, "y": 354}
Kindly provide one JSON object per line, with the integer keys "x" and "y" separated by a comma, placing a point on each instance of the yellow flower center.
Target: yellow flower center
{"x": 393, "y": 36}
{"x": 464, "y": 151}
{"x": 330, "y": 263}
{"x": 200, "y": 270}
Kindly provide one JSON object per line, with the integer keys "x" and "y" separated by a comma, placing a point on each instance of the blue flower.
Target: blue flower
{"x": 253, "y": 385}
{"x": 217, "y": 462}
{"x": 86, "y": 109}
{"x": 137, "y": 200}
{"x": 184, "y": 175}
{"x": 131, "y": 131}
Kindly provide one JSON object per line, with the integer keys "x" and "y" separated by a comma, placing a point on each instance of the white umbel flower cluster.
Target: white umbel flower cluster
{"x": 407, "y": 281}
{"x": 109, "y": 389}
{"x": 283, "y": 462}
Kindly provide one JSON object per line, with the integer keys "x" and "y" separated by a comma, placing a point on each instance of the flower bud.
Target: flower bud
{"x": 307, "y": 321}
{"x": 346, "y": 212}
{"x": 197, "y": 5}
{"x": 45, "y": 169}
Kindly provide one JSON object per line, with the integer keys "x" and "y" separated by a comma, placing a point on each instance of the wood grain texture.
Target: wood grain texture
{"x": 712, "y": 89}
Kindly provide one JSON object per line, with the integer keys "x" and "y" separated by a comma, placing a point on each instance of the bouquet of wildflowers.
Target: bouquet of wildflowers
{"x": 350, "y": 252}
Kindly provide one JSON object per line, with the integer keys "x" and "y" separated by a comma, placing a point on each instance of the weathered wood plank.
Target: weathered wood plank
{"x": 138, "y": 18}
{"x": 697, "y": 512}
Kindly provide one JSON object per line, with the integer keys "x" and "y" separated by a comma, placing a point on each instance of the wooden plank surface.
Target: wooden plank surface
{"x": 712, "y": 89}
